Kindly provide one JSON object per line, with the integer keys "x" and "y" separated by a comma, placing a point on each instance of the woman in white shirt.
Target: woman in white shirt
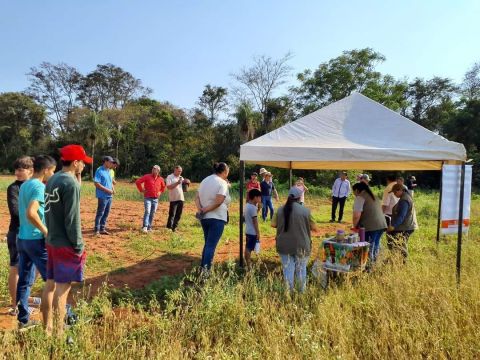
{"x": 212, "y": 202}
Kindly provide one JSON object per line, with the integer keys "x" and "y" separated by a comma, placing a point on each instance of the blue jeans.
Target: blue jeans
{"x": 151, "y": 205}
{"x": 212, "y": 232}
{"x": 267, "y": 204}
{"x": 373, "y": 237}
{"x": 103, "y": 210}
{"x": 295, "y": 266}
{"x": 30, "y": 253}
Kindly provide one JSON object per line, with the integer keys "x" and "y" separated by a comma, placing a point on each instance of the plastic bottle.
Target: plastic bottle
{"x": 361, "y": 233}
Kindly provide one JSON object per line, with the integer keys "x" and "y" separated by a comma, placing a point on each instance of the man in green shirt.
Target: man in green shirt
{"x": 66, "y": 255}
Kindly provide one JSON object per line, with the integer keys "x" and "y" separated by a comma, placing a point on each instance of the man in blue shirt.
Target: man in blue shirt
{"x": 31, "y": 238}
{"x": 104, "y": 192}
{"x": 340, "y": 192}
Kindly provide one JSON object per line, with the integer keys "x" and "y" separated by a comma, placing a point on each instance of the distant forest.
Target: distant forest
{"x": 110, "y": 112}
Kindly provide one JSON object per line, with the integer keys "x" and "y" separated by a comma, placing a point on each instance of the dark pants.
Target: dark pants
{"x": 212, "y": 232}
{"x": 398, "y": 241}
{"x": 174, "y": 214}
{"x": 103, "y": 210}
{"x": 31, "y": 254}
{"x": 335, "y": 202}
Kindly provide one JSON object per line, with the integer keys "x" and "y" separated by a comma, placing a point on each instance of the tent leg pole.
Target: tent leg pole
{"x": 242, "y": 179}
{"x": 460, "y": 223}
{"x": 440, "y": 206}
{"x": 290, "y": 176}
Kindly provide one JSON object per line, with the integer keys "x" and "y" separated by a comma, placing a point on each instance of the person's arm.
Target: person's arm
{"x": 162, "y": 186}
{"x": 78, "y": 176}
{"x": 219, "y": 199}
{"x": 402, "y": 213}
{"x": 71, "y": 199}
{"x": 305, "y": 188}
{"x": 273, "y": 223}
{"x": 357, "y": 211}
{"x": 103, "y": 188}
{"x": 255, "y": 225}
{"x": 348, "y": 188}
{"x": 34, "y": 218}
{"x": 356, "y": 218}
{"x": 276, "y": 194}
{"x": 197, "y": 201}
{"x": 172, "y": 185}
{"x": 12, "y": 201}
{"x": 139, "y": 183}
{"x": 313, "y": 226}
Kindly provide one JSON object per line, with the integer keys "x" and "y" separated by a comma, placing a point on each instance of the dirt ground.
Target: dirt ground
{"x": 136, "y": 270}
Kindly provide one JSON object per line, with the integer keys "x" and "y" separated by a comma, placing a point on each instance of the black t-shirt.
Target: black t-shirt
{"x": 12, "y": 200}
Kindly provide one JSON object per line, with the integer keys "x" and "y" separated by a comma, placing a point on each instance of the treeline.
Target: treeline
{"x": 109, "y": 111}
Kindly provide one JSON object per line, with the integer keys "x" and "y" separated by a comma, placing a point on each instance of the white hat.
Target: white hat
{"x": 262, "y": 171}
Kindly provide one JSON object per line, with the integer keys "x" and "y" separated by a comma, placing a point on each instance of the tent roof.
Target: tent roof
{"x": 353, "y": 133}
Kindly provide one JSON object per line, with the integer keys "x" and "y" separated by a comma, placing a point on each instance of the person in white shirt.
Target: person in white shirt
{"x": 212, "y": 202}
{"x": 176, "y": 197}
{"x": 340, "y": 192}
{"x": 389, "y": 200}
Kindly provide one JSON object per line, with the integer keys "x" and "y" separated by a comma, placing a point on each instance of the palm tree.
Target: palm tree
{"x": 247, "y": 120}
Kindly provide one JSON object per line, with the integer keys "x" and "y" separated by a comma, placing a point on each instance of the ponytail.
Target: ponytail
{"x": 287, "y": 210}
{"x": 361, "y": 186}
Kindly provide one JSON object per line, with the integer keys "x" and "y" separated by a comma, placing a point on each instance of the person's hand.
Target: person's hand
{"x": 203, "y": 210}
{"x": 390, "y": 228}
{"x": 258, "y": 237}
{"x": 112, "y": 192}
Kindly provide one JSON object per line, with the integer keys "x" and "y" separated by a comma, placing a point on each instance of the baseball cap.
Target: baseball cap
{"x": 262, "y": 171}
{"x": 397, "y": 187}
{"x": 116, "y": 161}
{"x": 108, "y": 158}
{"x": 75, "y": 152}
{"x": 365, "y": 177}
{"x": 254, "y": 174}
{"x": 295, "y": 192}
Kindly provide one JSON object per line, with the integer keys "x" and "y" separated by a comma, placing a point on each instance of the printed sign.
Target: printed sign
{"x": 451, "y": 198}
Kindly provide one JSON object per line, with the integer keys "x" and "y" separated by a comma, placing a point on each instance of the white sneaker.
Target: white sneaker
{"x": 145, "y": 230}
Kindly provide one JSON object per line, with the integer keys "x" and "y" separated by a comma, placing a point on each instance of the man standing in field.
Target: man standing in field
{"x": 31, "y": 238}
{"x": 152, "y": 186}
{"x": 176, "y": 197}
{"x": 340, "y": 192}
{"x": 23, "y": 171}
{"x": 113, "y": 174}
{"x": 66, "y": 255}
{"x": 104, "y": 193}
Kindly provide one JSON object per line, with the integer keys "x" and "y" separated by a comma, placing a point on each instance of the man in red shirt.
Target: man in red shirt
{"x": 153, "y": 187}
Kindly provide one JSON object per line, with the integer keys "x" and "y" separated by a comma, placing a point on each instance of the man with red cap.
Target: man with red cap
{"x": 65, "y": 247}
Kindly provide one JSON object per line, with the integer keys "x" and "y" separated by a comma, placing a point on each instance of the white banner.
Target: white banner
{"x": 451, "y": 177}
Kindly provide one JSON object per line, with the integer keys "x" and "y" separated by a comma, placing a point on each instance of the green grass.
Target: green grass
{"x": 397, "y": 312}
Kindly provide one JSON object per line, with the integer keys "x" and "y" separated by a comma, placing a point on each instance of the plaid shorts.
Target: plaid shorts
{"x": 64, "y": 265}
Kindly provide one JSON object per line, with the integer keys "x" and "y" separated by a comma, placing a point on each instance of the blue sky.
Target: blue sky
{"x": 177, "y": 47}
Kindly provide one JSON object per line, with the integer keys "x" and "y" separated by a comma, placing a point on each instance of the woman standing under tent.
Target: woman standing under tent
{"x": 294, "y": 244}
{"x": 367, "y": 213}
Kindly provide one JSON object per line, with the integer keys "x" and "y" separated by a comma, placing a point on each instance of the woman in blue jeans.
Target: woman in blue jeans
{"x": 293, "y": 241}
{"x": 212, "y": 202}
{"x": 367, "y": 213}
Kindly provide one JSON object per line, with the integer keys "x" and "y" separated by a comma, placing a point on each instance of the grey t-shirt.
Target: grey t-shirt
{"x": 250, "y": 214}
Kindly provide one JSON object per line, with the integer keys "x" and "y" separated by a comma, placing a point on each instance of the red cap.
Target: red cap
{"x": 75, "y": 152}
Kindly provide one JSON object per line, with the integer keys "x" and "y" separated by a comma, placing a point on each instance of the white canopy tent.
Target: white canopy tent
{"x": 354, "y": 133}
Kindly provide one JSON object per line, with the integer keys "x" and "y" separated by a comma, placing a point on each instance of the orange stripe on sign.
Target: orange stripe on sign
{"x": 453, "y": 223}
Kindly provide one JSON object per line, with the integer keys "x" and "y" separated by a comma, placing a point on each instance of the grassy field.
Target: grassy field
{"x": 397, "y": 312}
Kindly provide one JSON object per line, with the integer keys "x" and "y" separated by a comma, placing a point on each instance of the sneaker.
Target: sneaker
{"x": 13, "y": 311}
{"x": 97, "y": 233}
{"x": 35, "y": 301}
{"x": 104, "y": 232}
{"x": 332, "y": 220}
{"x": 28, "y": 325}
{"x": 340, "y": 221}
{"x": 145, "y": 230}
